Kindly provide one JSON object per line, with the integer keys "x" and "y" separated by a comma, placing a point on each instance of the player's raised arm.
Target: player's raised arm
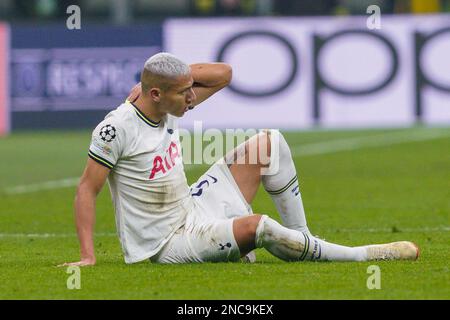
{"x": 90, "y": 185}
{"x": 209, "y": 78}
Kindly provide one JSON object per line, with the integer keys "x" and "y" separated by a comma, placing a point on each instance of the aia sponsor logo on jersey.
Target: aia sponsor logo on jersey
{"x": 166, "y": 162}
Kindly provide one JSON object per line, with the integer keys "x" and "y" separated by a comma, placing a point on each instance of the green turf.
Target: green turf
{"x": 368, "y": 195}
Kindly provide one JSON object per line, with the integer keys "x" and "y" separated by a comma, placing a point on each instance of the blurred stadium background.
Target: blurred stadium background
{"x": 313, "y": 63}
{"x": 299, "y": 65}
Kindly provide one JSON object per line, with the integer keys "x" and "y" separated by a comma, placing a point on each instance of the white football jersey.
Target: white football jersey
{"x": 148, "y": 186}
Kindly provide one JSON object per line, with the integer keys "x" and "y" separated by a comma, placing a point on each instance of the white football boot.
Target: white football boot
{"x": 401, "y": 250}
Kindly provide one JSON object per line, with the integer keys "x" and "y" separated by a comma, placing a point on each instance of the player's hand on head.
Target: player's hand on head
{"x": 81, "y": 263}
{"x": 135, "y": 93}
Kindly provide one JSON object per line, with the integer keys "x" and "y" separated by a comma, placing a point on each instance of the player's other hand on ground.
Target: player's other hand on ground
{"x": 135, "y": 93}
{"x": 81, "y": 263}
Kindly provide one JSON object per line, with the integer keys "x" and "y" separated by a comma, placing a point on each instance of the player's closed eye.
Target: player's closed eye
{"x": 185, "y": 90}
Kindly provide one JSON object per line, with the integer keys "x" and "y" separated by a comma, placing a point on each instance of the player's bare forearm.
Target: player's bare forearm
{"x": 91, "y": 183}
{"x": 211, "y": 74}
{"x": 209, "y": 78}
{"x": 85, "y": 221}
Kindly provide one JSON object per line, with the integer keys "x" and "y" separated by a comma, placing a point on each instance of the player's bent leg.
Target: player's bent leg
{"x": 266, "y": 158}
{"x": 246, "y": 161}
{"x": 292, "y": 245}
{"x": 282, "y": 184}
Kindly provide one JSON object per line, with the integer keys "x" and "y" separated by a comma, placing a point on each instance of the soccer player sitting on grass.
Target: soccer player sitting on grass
{"x": 160, "y": 218}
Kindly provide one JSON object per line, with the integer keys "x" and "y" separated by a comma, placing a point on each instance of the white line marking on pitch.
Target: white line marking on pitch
{"x": 48, "y": 185}
{"x": 355, "y": 143}
{"x": 309, "y": 149}
{"x": 390, "y": 230}
{"x": 343, "y": 230}
{"x": 50, "y": 235}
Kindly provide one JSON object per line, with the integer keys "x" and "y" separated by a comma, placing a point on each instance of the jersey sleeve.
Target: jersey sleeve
{"x": 107, "y": 143}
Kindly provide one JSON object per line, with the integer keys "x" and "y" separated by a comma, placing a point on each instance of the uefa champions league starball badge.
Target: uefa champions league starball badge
{"x": 108, "y": 133}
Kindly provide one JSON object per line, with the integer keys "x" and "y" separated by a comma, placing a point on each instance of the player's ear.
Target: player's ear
{"x": 155, "y": 94}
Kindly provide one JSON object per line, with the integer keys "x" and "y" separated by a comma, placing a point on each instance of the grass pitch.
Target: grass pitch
{"x": 358, "y": 187}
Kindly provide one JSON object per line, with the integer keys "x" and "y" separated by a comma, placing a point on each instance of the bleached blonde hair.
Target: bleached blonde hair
{"x": 166, "y": 65}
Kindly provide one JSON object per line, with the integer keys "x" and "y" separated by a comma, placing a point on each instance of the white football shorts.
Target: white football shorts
{"x": 207, "y": 235}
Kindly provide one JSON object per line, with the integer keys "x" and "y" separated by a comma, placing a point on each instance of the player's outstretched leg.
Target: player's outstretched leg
{"x": 292, "y": 245}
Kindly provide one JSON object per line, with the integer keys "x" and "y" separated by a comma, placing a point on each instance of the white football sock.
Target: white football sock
{"x": 292, "y": 245}
{"x": 281, "y": 182}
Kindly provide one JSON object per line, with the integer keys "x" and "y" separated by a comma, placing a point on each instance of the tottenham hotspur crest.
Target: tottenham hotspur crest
{"x": 108, "y": 133}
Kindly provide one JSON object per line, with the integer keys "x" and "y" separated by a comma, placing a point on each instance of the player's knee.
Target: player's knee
{"x": 280, "y": 148}
{"x": 271, "y": 138}
{"x": 264, "y": 147}
{"x": 245, "y": 232}
{"x": 266, "y": 140}
{"x": 252, "y": 224}
{"x": 277, "y": 138}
